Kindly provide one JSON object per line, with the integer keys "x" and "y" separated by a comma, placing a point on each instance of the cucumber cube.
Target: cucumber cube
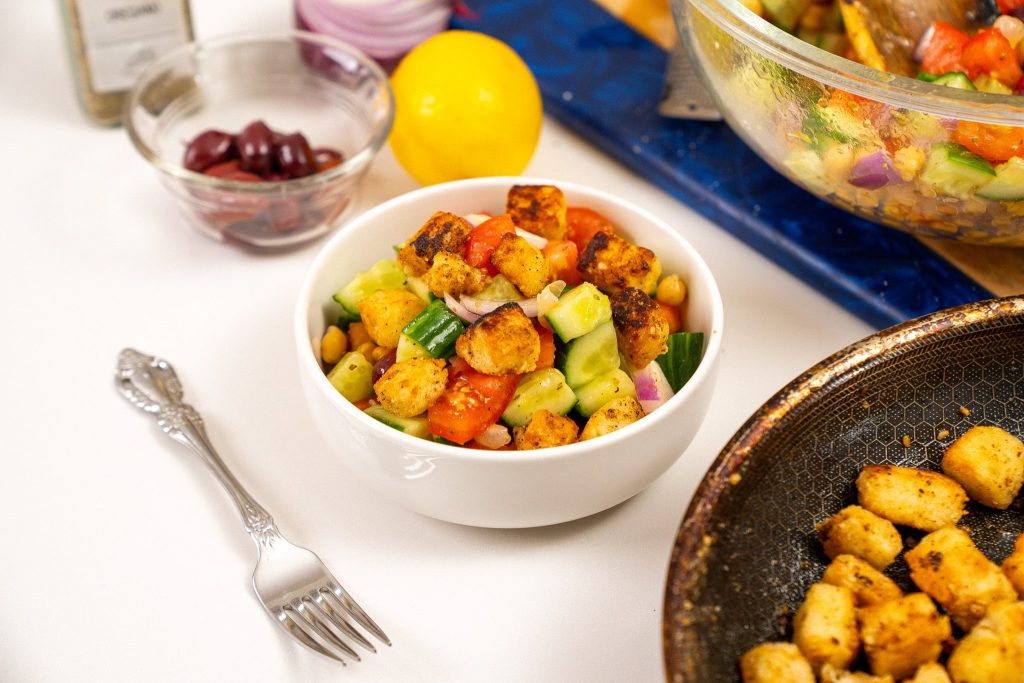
{"x": 352, "y": 376}
{"x": 413, "y": 426}
{"x": 954, "y": 170}
{"x": 609, "y": 386}
{"x": 385, "y": 274}
{"x": 539, "y": 390}
{"x": 591, "y": 355}
{"x": 579, "y": 311}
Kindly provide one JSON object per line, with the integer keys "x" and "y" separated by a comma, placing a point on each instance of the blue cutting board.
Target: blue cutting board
{"x": 604, "y": 80}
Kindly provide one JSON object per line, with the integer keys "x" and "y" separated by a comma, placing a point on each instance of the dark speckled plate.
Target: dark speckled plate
{"x": 746, "y": 551}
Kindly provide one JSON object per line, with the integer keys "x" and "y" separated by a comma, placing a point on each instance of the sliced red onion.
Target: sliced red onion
{"x": 458, "y": 309}
{"x": 547, "y": 299}
{"x": 535, "y": 240}
{"x": 873, "y": 171}
{"x": 495, "y": 436}
{"x": 383, "y": 28}
{"x": 480, "y": 306}
{"x": 652, "y": 387}
{"x": 476, "y": 219}
{"x": 922, "y": 45}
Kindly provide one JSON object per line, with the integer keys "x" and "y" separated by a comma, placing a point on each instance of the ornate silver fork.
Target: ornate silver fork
{"x": 292, "y": 583}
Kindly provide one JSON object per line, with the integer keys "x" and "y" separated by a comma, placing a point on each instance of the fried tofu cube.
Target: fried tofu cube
{"x": 949, "y": 567}
{"x": 825, "y": 627}
{"x": 522, "y": 263}
{"x": 613, "y": 264}
{"x": 830, "y": 674}
{"x": 442, "y": 232}
{"x": 640, "y": 326}
{"x": 545, "y": 430}
{"x": 539, "y": 209}
{"x": 989, "y": 463}
{"x": 912, "y": 497}
{"x": 450, "y": 274}
{"x": 613, "y": 415}
{"x": 1013, "y": 566}
{"x": 408, "y": 388}
{"x": 385, "y": 313}
{"x": 900, "y": 635}
{"x": 993, "y": 652}
{"x": 501, "y": 342}
{"x": 932, "y": 672}
{"x": 869, "y": 586}
{"x": 775, "y": 663}
{"x": 856, "y": 531}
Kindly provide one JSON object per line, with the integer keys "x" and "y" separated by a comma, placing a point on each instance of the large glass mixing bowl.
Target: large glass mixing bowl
{"x": 887, "y": 148}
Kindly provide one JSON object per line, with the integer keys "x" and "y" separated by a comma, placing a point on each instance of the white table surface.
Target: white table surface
{"x": 123, "y": 561}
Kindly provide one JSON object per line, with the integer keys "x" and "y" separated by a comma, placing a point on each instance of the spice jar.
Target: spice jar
{"x": 111, "y": 41}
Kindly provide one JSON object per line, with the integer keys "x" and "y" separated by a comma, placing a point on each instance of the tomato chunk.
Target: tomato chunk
{"x": 995, "y": 143}
{"x": 562, "y": 257}
{"x": 471, "y": 402}
{"x": 483, "y": 240}
{"x": 547, "y": 347}
{"x": 583, "y": 224}
{"x": 673, "y": 315}
{"x": 944, "y": 49}
{"x": 1007, "y": 6}
{"x": 989, "y": 52}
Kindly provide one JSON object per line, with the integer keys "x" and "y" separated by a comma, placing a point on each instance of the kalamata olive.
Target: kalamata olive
{"x": 381, "y": 366}
{"x": 209, "y": 148}
{"x": 221, "y": 170}
{"x": 326, "y": 158}
{"x": 256, "y": 148}
{"x": 294, "y": 155}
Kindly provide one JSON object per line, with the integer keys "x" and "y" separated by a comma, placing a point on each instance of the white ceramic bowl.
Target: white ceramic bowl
{"x": 502, "y": 488}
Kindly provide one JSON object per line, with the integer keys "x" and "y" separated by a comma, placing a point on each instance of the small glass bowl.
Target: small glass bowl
{"x": 294, "y": 81}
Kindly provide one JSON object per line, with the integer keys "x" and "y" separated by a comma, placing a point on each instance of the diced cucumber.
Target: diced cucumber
{"x": 435, "y": 329}
{"x": 785, "y": 13}
{"x": 579, "y": 311}
{"x": 539, "y": 390}
{"x": 953, "y": 79}
{"x": 385, "y": 274}
{"x": 352, "y": 376}
{"x": 954, "y": 170}
{"x": 986, "y": 83}
{"x": 611, "y": 385}
{"x": 413, "y": 426}
{"x": 418, "y": 287}
{"x": 593, "y": 354}
{"x": 409, "y": 348}
{"x": 500, "y": 288}
{"x": 681, "y": 359}
{"x": 1008, "y": 185}
{"x": 807, "y": 168}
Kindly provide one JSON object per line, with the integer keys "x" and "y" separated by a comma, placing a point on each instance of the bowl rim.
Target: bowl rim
{"x": 687, "y": 558}
{"x": 349, "y": 166}
{"x": 309, "y": 365}
{"x": 893, "y": 89}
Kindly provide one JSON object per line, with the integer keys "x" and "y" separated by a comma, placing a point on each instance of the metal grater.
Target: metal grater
{"x": 685, "y": 96}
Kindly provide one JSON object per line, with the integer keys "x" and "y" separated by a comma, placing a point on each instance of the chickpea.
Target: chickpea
{"x": 333, "y": 345}
{"x": 366, "y": 348}
{"x": 379, "y": 352}
{"x": 671, "y": 291}
{"x": 358, "y": 335}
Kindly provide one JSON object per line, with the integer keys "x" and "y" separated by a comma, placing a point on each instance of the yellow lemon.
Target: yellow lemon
{"x": 466, "y": 106}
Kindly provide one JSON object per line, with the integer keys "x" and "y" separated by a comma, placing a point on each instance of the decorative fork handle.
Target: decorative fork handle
{"x": 152, "y": 385}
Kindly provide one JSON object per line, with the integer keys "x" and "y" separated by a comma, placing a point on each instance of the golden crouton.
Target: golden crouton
{"x": 869, "y": 586}
{"x": 545, "y": 430}
{"x": 949, "y": 567}
{"x": 615, "y": 414}
{"x": 522, "y": 263}
{"x": 916, "y": 498}
{"x": 539, "y": 209}
{"x": 442, "y": 232}
{"x": 993, "y": 652}
{"x": 1013, "y": 566}
{"x": 825, "y": 627}
{"x": 932, "y": 672}
{"x": 450, "y": 274}
{"x": 613, "y": 264}
{"x": 830, "y": 674}
{"x": 408, "y": 388}
{"x": 856, "y": 531}
{"x": 640, "y": 326}
{"x": 386, "y": 313}
{"x": 900, "y": 635}
{"x": 501, "y": 342}
{"x": 775, "y": 663}
{"x": 989, "y": 463}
